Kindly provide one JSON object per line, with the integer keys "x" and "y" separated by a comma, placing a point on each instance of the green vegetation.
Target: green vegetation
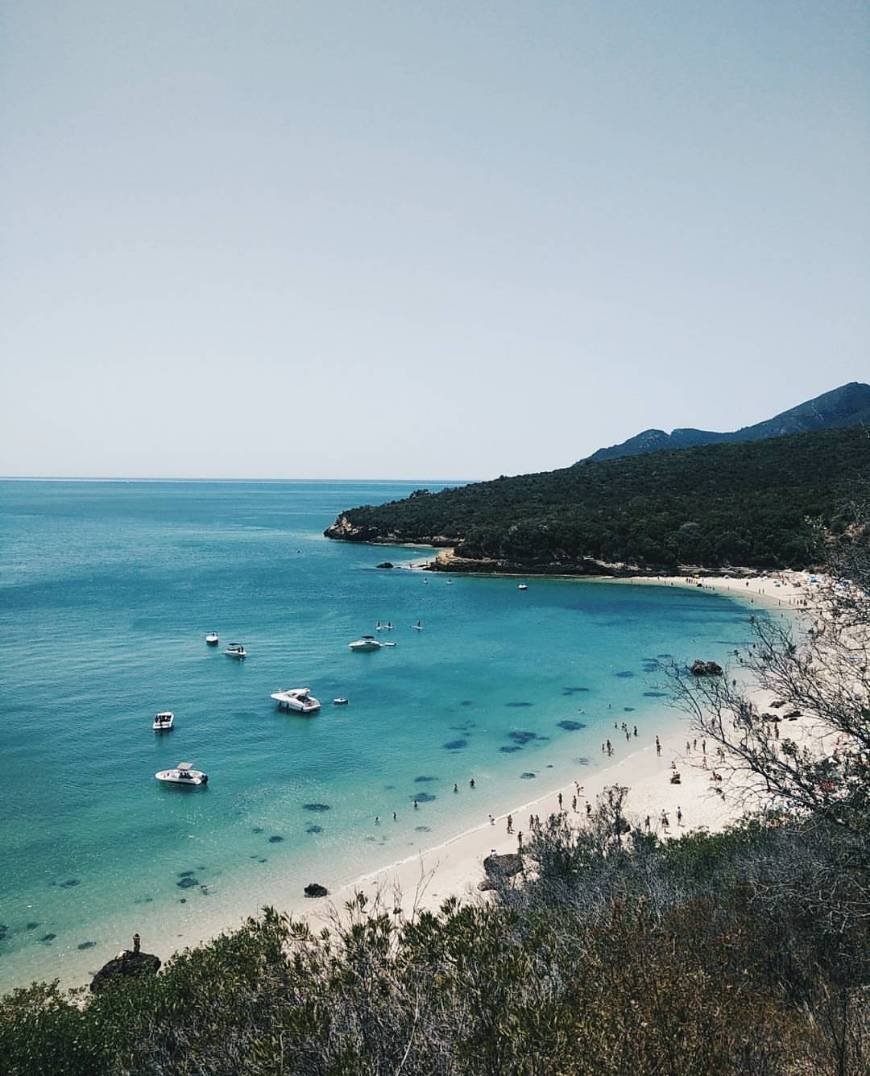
{"x": 615, "y": 956}
{"x": 729, "y": 504}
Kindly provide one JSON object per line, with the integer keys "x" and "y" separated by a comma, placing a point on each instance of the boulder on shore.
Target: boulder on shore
{"x": 705, "y": 668}
{"x": 315, "y": 889}
{"x": 386, "y": 564}
{"x": 127, "y": 964}
{"x": 503, "y": 866}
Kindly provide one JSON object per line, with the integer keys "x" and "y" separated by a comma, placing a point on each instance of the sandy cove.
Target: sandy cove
{"x": 455, "y": 867}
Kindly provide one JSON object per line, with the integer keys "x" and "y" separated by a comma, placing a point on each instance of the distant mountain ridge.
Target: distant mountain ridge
{"x": 848, "y": 405}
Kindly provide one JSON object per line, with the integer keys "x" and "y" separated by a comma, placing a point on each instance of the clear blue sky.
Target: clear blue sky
{"x": 414, "y": 239}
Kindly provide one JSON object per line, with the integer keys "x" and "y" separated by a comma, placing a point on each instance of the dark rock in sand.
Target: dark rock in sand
{"x": 315, "y": 889}
{"x": 503, "y": 866}
{"x": 86, "y": 945}
{"x": 314, "y": 829}
{"x": 187, "y": 883}
{"x": 510, "y": 749}
{"x": 256, "y": 829}
{"x": 69, "y": 883}
{"x": 626, "y": 674}
{"x": 386, "y": 564}
{"x": 421, "y": 829}
{"x": 28, "y": 926}
{"x": 571, "y": 726}
{"x": 628, "y": 709}
{"x": 522, "y": 736}
{"x": 655, "y": 694}
{"x": 528, "y": 776}
{"x": 517, "y": 704}
{"x": 422, "y": 797}
{"x": 125, "y": 966}
{"x": 275, "y": 839}
{"x": 48, "y": 938}
{"x": 316, "y": 807}
{"x": 186, "y": 874}
{"x": 455, "y": 745}
{"x": 705, "y": 668}
{"x": 424, "y": 779}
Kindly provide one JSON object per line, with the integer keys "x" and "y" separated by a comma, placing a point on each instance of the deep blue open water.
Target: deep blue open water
{"x": 106, "y": 591}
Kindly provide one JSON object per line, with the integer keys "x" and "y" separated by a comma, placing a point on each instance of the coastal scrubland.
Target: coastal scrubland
{"x": 610, "y": 950}
{"x": 724, "y": 504}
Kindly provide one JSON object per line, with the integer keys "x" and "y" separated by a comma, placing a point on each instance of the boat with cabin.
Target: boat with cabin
{"x": 298, "y": 699}
{"x": 163, "y": 721}
{"x": 237, "y": 651}
{"x": 183, "y": 774}
{"x": 212, "y": 639}
{"x": 367, "y": 642}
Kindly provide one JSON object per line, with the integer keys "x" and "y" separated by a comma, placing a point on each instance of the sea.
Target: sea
{"x": 107, "y": 589}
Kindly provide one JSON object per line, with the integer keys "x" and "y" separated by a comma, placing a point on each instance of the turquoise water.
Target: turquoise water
{"x": 106, "y": 591}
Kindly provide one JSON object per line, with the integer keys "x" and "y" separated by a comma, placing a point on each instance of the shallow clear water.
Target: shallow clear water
{"x": 106, "y": 591}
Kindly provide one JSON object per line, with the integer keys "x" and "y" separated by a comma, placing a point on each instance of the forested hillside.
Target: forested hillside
{"x": 729, "y": 504}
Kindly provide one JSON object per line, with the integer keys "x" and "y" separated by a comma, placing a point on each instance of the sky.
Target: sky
{"x": 421, "y": 239}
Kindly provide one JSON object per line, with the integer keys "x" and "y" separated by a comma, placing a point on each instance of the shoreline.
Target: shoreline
{"x": 424, "y": 879}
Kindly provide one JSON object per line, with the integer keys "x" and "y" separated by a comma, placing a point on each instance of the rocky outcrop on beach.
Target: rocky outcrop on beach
{"x": 315, "y": 889}
{"x": 127, "y": 964}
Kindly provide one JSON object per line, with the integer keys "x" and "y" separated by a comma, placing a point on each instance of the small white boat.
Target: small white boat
{"x": 163, "y": 721}
{"x": 236, "y": 650}
{"x": 389, "y": 644}
{"x": 418, "y": 626}
{"x": 340, "y": 702}
{"x": 367, "y": 642}
{"x": 212, "y": 639}
{"x": 298, "y": 699}
{"x": 183, "y": 774}
{"x": 522, "y": 586}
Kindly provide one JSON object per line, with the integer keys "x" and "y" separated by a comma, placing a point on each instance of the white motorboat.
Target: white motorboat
{"x": 212, "y": 639}
{"x": 522, "y": 586}
{"x": 367, "y": 642}
{"x": 236, "y": 650}
{"x": 389, "y": 644}
{"x": 340, "y": 701}
{"x": 298, "y": 699}
{"x": 163, "y": 721}
{"x": 183, "y": 774}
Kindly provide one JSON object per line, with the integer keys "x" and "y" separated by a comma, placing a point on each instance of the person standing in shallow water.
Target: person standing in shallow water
{"x": 137, "y": 942}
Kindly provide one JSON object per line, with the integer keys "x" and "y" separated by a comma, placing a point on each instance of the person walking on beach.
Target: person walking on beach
{"x": 658, "y": 746}
{"x": 679, "y": 815}
{"x": 395, "y": 817}
{"x": 647, "y": 823}
{"x": 559, "y": 797}
{"x": 416, "y": 806}
{"x": 588, "y": 808}
{"x": 137, "y": 941}
{"x": 455, "y": 787}
{"x": 510, "y": 823}
{"x": 471, "y": 783}
{"x": 574, "y": 803}
{"x": 491, "y": 822}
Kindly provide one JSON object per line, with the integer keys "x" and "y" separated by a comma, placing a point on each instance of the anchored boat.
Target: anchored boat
{"x": 183, "y": 774}
{"x": 163, "y": 721}
{"x": 367, "y": 642}
{"x": 298, "y": 699}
